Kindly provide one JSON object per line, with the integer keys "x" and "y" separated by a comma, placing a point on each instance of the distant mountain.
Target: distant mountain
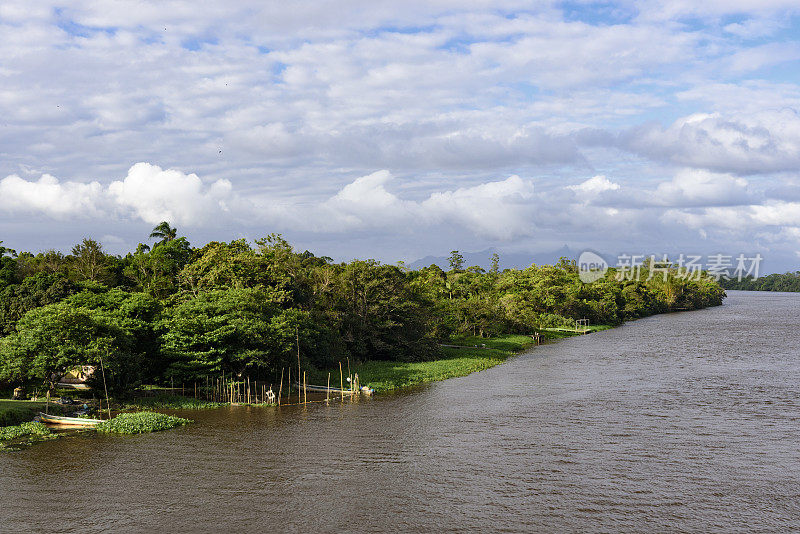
{"x": 508, "y": 260}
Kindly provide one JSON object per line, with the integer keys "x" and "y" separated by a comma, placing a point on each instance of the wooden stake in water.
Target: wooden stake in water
{"x": 305, "y": 399}
{"x": 297, "y": 335}
{"x": 280, "y": 389}
{"x": 328, "y": 391}
{"x": 108, "y": 404}
{"x": 341, "y": 380}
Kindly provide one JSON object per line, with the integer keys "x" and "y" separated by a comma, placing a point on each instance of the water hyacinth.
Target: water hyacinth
{"x": 140, "y": 422}
{"x": 25, "y": 429}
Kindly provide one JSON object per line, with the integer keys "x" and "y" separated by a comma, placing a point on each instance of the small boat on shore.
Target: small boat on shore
{"x": 67, "y": 421}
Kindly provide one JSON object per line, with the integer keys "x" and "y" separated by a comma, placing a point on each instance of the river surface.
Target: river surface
{"x": 687, "y": 422}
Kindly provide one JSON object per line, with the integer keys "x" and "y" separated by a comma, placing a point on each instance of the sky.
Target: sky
{"x": 399, "y": 130}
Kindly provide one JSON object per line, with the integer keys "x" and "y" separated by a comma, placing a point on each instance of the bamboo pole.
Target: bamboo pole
{"x": 341, "y": 380}
{"x": 328, "y": 391}
{"x": 305, "y": 398}
{"x": 280, "y": 390}
{"x": 297, "y": 335}
{"x": 108, "y": 404}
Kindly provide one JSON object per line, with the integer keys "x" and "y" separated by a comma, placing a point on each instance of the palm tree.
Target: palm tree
{"x": 164, "y": 232}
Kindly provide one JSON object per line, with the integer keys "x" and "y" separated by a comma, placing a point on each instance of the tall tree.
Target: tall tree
{"x": 90, "y": 261}
{"x": 8, "y": 266}
{"x": 164, "y": 232}
{"x": 456, "y": 261}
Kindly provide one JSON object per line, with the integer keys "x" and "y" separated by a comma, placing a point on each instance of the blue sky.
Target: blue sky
{"x": 361, "y": 129}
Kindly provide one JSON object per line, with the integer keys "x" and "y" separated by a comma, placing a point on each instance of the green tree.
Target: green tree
{"x": 89, "y": 261}
{"x": 34, "y": 291}
{"x": 51, "y": 340}
{"x": 164, "y": 232}
{"x": 495, "y": 268}
{"x": 156, "y": 271}
{"x": 8, "y": 266}
{"x": 379, "y": 314}
{"x": 456, "y": 261}
{"x": 222, "y": 330}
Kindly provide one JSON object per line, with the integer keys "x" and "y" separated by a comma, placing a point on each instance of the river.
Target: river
{"x": 684, "y": 422}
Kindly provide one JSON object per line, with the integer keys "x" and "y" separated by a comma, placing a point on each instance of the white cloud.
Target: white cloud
{"x": 500, "y": 209}
{"x": 768, "y": 141}
{"x": 754, "y": 28}
{"x": 749, "y": 219}
{"x": 593, "y": 187}
{"x": 147, "y": 192}
{"x": 365, "y": 203}
{"x": 497, "y": 209}
{"x": 277, "y": 105}
{"x": 703, "y": 188}
{"x": 764, "y": 56}
{"x": 155, "y": 195}
{"x": 49, "y": 196}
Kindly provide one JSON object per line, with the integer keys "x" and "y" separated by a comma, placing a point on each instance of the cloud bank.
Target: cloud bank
{"x": 442, "y": 124}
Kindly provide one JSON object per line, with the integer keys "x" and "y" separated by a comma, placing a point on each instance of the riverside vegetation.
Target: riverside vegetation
{"x": 140, "y": 422}
{"x": 772, "y": 282}
{"x": 172, "y": 313}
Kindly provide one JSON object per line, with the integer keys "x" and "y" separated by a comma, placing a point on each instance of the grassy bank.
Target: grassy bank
{"x": 166, "y": 401}
{"x": 15, "y": 412}
{"x": 389, "y": 375}
{"x": 472, "y": 354}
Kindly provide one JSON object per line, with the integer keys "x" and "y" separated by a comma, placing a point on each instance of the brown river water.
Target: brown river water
{"x": 687, "y": 422}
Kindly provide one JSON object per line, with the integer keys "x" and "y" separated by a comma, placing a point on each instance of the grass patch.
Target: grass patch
{"x": 14, "y": 412}
{"x": 165, "y": 401}
{"x": 140, "y": 422}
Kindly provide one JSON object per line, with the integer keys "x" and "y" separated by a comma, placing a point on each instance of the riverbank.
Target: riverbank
{"x": 461, "y": 357}
{"x": 15, "y": 412}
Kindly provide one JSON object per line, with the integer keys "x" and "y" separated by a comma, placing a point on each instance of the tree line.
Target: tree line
{"x": 773, "y": 282}
{"x": 172, "y": 312}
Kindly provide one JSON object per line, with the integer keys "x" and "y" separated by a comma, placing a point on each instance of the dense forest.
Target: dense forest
{"x": 169, "y": 311}
{"x": 772, "y": 282}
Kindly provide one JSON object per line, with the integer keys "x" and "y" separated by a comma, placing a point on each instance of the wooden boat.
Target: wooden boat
{"x": 67, "y": 421}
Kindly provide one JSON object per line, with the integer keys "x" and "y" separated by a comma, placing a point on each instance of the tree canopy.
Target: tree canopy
{"x": 176, "y": 312}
